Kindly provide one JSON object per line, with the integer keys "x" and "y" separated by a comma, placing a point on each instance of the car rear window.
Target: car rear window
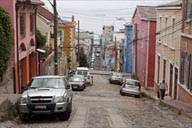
{"x": 82, "y": 73}
{"x": 117, "y": 74}
{"x": 133, "y": 83}
{"x": 75, "y": 79}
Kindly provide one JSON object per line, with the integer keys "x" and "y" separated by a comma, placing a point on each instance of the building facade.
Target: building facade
{"x": 23, "y": 18}
{"x": 169, "y": 17}
{"x": 144, "y": 29}
{"x": 45, "y": 24}
{"x": 185, "y": 71}
{"x": 127, "y": 49}
{"x": 67, "y": 30}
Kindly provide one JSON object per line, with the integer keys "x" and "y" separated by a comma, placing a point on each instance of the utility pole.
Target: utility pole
{"x": 55, "y": 37}
{"x": 91, "y": 62}
{"x": 115, "y": 54}
{"x": 136, "y": 77}
{"x": 78, "y": 57}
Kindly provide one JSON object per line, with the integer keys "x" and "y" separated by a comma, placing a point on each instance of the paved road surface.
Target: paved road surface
{"x": 101, "y": 106}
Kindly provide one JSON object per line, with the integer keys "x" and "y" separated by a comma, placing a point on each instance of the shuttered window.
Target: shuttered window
{"x": 182, "y": 58}
{"x": 22, "y": 24}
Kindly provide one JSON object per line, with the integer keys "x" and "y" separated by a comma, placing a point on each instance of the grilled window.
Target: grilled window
{"x": 164, "y": 69}
{"x": 32, "y": 22}
{"x": 188, "y": 9}
{"x": 182, "y": 58}
{"x": 22, "y": 24}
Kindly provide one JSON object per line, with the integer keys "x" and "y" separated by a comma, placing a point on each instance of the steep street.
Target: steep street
{"x": 101, "y": 106}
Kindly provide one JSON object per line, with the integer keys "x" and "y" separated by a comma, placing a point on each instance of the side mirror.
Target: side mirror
{"x": 24, "y": 88}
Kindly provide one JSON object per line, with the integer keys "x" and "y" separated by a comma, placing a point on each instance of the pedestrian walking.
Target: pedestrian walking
{"x": 162, "y": 87}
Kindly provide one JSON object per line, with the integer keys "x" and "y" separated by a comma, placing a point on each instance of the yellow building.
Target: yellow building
{"x": 67, "y": 30}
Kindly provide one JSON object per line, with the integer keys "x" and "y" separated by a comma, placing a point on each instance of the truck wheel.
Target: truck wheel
{"x": 65, "y": 116}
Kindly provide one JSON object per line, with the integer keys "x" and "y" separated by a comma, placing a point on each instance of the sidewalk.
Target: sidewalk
{"x": 8, "y": 106}
{"x": 176, "y": 105}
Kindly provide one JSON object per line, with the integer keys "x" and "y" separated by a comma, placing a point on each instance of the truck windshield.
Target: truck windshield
{"x": 47, "y": 83}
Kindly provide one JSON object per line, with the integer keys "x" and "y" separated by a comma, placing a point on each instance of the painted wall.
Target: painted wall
{"x": 127, "y": 65}
{"x": 145, "y": 49}
{"x": 26, "y": 64}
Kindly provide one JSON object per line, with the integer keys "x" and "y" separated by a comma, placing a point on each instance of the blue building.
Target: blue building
{"x": 127, "y": 49}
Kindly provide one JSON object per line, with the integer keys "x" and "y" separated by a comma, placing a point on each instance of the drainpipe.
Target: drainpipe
{"x": 17, "y": 45}
{"x": 38, "y": 57}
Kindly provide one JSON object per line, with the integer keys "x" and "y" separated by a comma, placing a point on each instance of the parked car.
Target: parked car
{"x": 97, "y": 54}
{"x": 85, "y": 72}
{"x": 116, "y": 77}
{"x": 77, "y": 82}
{"x": 46, "y": 95}
{"x": 131, "y": 87}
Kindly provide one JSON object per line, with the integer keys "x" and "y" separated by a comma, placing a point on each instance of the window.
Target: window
{"x": 173, "y": 33}
{"x": 32, "y": 22}
{"x": 166, "y": 19}
{"x": 186, "y": 69}
{"x": 164, "y": 68}
{"x": 22, "y": 24}
{"x": 190, "y": 78}
{"x": 182, "y": 58}
{"x": 160, "y": 27}
{"x": 158, "y": 68}
{"x": 188, "y": 9}
{"x": 61, "y": 36}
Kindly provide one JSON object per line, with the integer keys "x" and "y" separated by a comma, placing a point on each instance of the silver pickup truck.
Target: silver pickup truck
{"x": 46, "y": 95}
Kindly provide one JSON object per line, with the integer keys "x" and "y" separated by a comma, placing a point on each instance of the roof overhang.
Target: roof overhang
{"x": 169, "y": 8}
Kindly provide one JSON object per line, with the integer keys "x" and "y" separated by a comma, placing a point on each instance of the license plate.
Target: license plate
{"x": 40, "y": 107}
{"x": 74, "y": 86}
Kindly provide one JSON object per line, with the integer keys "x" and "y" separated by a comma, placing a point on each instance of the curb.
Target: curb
{"x": 172, "y": 107}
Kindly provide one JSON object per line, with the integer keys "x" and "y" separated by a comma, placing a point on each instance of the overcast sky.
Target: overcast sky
{"x": 93, "y": 14}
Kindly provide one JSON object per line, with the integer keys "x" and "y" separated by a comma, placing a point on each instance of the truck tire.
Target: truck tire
{"x": 65, "y": 116}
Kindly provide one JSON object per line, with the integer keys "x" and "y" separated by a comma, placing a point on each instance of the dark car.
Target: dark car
{"x": 116, "y": 77}
{"x": 77, "y": 82}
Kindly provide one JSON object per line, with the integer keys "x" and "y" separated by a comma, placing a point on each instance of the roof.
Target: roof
{"x": 37, "y": 2}
{"x": 146, "y": 12}
{"x": 45, "y": 13}
{"x": 177, "y": 3}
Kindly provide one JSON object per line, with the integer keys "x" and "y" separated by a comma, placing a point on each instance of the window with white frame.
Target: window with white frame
{"x": 158, "y": 68}
{"x": 164, "y": 68}
{"x": 173, "y": 34}
{"x": 166, "y": 30}
{"x": 160, "y": 27}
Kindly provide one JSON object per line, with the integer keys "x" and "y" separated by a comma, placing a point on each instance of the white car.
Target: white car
{"x": 77, "y": 82}
{"x": 85, "y": 72}
{"x": 131, "y": 87}
{"x": 97, "y": 54}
